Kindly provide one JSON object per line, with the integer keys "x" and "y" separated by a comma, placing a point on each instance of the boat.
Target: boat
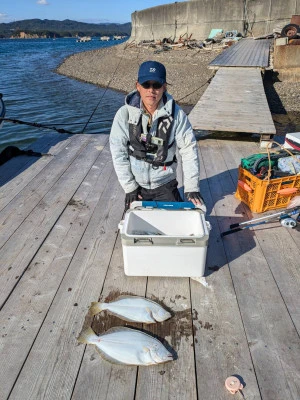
{"x": 2, "y": 110}
{"x": 105, "y": 38}
{"x": 84, "y": 39}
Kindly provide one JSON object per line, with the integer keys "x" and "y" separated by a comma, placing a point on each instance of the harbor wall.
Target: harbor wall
{"x": 198, "y": 17}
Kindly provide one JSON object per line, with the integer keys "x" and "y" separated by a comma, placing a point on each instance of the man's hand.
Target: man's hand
{"x": 196, "y": 199}
{"x": 132, "y": 196}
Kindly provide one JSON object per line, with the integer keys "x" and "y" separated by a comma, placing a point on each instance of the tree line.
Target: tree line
{"x": 66, "y": 28}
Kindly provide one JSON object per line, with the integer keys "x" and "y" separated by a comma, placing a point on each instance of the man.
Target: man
{"x": 143, "y": 141}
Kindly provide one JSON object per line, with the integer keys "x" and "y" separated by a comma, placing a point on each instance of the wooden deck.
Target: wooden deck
{"x": 235, "y": 101}
{"x": 60, "y": 250}
{"x": 246, "y": 53}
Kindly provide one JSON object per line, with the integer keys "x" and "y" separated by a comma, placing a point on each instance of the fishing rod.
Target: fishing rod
{"x": 283, "y": 216}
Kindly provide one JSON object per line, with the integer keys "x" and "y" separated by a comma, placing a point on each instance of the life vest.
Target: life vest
{"x": 152, "y": 149}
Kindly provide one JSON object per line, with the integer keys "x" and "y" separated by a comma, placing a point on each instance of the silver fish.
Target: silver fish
{"x": 120, "y": 345}
{"x": 133, "y": 309}
{"x": 145, "y": 233}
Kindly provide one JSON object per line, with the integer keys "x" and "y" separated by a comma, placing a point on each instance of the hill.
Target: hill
{"x": 66, "y": 28}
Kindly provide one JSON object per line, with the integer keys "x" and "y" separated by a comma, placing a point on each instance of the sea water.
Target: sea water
{"x": 33, "y": 92}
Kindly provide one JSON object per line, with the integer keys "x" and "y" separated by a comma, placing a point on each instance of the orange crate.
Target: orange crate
{"x": 262, "y": 195}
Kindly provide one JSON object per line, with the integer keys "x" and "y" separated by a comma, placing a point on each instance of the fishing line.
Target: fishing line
{"x": 105, "y": 90}
{"x": 62, "y": 130}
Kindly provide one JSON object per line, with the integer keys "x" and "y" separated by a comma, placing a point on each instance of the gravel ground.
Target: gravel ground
{"x": 187, "y": 74}
{"x": 117, "y": 66}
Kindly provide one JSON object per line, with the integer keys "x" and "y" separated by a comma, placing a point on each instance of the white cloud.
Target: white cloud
{"x": 3, "y": 17}
{"x": 95, "y": 20}
{"x": 42, "y": 2}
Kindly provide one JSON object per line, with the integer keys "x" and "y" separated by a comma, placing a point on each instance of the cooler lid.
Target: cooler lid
{"x": 165, "y": 205}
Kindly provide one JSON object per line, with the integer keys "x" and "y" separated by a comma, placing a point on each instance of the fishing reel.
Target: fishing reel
{"x": 289, "y": 222}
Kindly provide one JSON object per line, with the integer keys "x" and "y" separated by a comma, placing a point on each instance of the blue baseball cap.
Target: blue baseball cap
{"x": 152, "y": 71}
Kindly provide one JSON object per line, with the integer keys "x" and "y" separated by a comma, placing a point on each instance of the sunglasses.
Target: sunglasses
{"x": 154, "y": 85}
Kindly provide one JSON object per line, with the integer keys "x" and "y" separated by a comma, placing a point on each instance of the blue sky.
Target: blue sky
{"x": 93, "y": 11}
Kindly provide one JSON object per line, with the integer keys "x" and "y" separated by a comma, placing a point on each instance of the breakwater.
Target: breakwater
{"x": 198, "y": 17}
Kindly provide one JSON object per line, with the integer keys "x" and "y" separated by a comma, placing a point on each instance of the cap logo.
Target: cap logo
{"x": 152, "y": 69}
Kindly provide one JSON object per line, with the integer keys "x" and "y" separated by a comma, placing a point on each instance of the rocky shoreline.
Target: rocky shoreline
{"x": 187, "y": 74}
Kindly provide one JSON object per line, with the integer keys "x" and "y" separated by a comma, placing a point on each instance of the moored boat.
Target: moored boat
{"x": 84, "y": 39}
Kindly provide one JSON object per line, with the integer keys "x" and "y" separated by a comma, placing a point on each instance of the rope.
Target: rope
{"x": 80, "y": 123}
{"x": 208, "y": 81}
{"x": 37, "y": 125}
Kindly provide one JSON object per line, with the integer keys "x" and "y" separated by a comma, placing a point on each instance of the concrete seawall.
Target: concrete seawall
{"x": 198, "y": 17}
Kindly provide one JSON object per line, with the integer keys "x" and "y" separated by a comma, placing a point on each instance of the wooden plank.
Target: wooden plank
{"x": 17, "y": 252}
{"x": 174, "y": 380}
{"x": 98, "y": 379}
{"x": 221, "y": 347}
{"x": 51, "y": 368}
{"x": 273, "y": 340}
{"x": 18, "y": 172}
{"x": 25, "y": 310}
{"x": 15, "y": 212}
{"x": 231, "y": 101}
{"x": 280, "y": 246}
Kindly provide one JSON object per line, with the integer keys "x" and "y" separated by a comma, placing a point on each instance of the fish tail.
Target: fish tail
{"x": 96, "y": 308}
{"x": 86, "y": 336}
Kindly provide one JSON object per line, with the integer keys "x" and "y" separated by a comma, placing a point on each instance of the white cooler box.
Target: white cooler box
{"x": 292, "y": 141}
{"x": 164, "y": 239}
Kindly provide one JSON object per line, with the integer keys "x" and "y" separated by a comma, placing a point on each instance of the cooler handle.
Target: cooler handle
{"x": 186, "y": 241}
{"x": 143, "y": 240}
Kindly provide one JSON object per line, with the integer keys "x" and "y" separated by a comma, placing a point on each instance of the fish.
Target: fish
{"x": 133, "y": 309}
{"x": 126, "y": 346}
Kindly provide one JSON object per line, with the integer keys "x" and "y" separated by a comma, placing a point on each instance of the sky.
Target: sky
{"x": 92, "y": 11}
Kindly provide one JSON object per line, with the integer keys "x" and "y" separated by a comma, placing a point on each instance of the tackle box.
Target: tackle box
{"x": 164, "y": 239}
